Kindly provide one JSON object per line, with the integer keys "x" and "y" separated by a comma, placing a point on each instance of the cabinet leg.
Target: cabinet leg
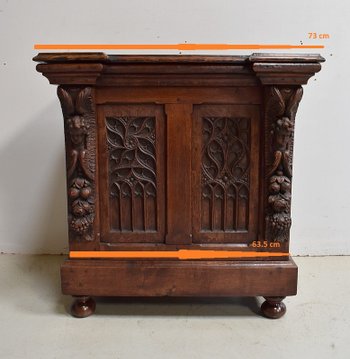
{"x": 82, "y": 307}
{"x": 273, "y": 307}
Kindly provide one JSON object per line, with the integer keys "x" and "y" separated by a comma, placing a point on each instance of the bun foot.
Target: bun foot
{"x": 82, "y": 307}
{"x": 273, "y": 307}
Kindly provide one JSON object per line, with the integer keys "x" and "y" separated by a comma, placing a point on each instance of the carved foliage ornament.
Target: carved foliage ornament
{"x": 80, "y": 142}
{"x": 281, "y": 106}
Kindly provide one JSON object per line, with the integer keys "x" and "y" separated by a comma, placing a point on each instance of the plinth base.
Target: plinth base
{"x": 273, "y": 280}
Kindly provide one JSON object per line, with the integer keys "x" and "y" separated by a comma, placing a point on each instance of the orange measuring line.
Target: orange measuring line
{"x": 172, "y": 47}
{"x": 180, "y": 254}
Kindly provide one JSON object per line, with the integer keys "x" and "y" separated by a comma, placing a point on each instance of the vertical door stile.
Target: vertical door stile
{"x": 179, "y": 137}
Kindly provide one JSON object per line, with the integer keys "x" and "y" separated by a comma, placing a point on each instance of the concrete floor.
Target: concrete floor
{"x": 34, "y": 321}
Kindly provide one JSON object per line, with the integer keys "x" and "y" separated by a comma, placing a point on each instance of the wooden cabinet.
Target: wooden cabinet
{"x": 179, "y": 174}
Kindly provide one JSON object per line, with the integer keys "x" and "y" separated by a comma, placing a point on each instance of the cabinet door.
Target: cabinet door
{"x": 225, "y": 180}
{"x": 131, "y": 151}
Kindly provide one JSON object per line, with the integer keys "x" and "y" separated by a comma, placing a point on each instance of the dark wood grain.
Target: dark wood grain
{"x": 291, "y": 58}
{"x": 175, "y": 70}
{"x": 65, "y": 57}
{"x": 179, "y": 278}
{"x": 179, "y": 198}
{"x": 164, "y": 95}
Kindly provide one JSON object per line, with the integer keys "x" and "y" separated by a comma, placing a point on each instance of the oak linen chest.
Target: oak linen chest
{"x": 179, "y": 173}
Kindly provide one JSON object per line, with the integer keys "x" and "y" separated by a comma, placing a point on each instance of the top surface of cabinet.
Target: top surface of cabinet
{"x": 238, "y": 59}
{"x": 165, "y": 70}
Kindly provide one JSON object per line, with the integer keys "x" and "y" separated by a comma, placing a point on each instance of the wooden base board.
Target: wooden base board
{"x": 84, "y": 277}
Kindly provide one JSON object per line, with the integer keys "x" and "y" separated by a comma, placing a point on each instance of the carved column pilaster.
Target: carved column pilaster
{"x": 281, "y": 76}
{"x": 281, "y": 104}
{"x": 80, "y": 136}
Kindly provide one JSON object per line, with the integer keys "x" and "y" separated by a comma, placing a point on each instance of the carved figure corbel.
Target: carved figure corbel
{"x": 281, "y": 106}
{"x": 77, "y": 107}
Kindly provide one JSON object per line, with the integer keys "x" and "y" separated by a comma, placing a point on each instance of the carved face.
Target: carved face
{"x": 283, "y": 131}
{"x": 77, "y": 129}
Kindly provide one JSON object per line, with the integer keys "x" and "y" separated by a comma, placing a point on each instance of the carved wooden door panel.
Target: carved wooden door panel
{"x": 225, "y": 177}
{"x": 131, "y": 150}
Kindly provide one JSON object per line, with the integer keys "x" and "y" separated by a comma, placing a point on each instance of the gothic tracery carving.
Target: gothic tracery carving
{"x": 225, "y": 173}
{"x": 133, "y": 171}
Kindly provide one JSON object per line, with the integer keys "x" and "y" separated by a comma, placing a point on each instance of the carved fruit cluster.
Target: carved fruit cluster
{"x": 82, "y": 210}
{"x": 279, "y": 224}
{"x": 279, "y": 203}
{"x": 279, "y": 189}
